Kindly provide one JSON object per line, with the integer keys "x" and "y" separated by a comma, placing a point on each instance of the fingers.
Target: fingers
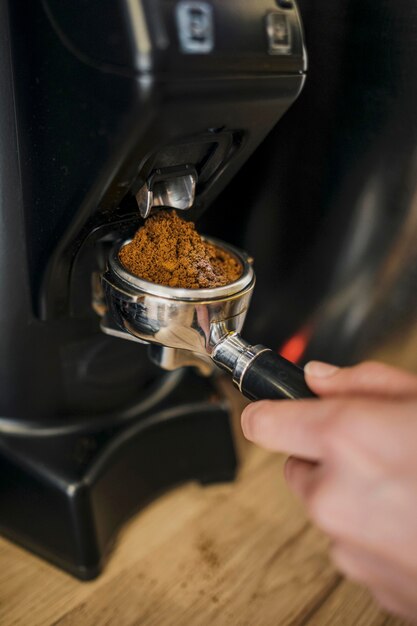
{"x": 287, "y": 426}
{"x": 363, "y": 432}
{"x": 356, "y": 469}
{"x": 368, "y": 378}
{"x": 391, "y": 603}
{"x": 392, "y": 587}
{"x": 301, "y": 476}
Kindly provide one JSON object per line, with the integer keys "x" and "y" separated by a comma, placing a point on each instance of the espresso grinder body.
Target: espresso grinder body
{"x": 109, "y": 111}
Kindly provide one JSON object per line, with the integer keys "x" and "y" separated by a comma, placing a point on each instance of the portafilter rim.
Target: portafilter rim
{"x": 243, "y": 283}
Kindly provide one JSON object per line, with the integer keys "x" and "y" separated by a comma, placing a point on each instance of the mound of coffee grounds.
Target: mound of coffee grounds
{"x": 167, "y": 250}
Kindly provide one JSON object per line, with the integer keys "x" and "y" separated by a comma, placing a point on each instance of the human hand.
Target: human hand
{"x": 353, "y": 462}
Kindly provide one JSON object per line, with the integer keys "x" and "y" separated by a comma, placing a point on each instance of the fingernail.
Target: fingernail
{"x": 246, "y": 420}
{"x": 287, "y": 468}
{"x": 318, "y": 369}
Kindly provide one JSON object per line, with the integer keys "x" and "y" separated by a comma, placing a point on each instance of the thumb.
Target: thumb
{"x": 367, "y": 378}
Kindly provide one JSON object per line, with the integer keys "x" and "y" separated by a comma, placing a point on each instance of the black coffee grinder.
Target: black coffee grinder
{"x": 111, "y": 109}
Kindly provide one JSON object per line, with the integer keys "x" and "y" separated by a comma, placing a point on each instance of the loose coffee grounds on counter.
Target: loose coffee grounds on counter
{"x": 167, "y": 250}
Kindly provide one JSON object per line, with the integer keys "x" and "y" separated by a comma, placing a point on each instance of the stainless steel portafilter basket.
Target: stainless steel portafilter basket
{"x": 198, "y": 327}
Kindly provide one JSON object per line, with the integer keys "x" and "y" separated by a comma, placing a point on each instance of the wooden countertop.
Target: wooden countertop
{"x": 238, "y": 554}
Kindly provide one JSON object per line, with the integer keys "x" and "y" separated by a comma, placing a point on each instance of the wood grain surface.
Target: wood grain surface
{"x": 237, "y": 554}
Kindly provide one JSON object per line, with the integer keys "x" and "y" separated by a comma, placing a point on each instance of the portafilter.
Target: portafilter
{"x": 198, "y": 327}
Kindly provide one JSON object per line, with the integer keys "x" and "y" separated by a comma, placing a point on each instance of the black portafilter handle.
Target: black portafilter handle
{"x": 259, "y": 373}
{"x": 271, "y": 377}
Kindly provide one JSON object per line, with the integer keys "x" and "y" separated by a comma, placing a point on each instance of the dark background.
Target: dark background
{"x": 324, "y": 203}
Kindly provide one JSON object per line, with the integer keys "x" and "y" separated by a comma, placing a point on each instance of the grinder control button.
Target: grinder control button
{"x": 195, "y": 27}
{"x": 285, "y": 4}
{"x": 278, "y": 31}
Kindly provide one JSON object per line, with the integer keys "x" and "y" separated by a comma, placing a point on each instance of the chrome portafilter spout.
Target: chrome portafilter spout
{"x": 198, "y": 327}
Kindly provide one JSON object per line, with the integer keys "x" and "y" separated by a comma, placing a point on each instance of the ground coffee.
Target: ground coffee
{"x": 167, "y": 250}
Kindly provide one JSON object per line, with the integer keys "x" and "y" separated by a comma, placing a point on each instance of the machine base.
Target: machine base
{"x": 65, "y": 490}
